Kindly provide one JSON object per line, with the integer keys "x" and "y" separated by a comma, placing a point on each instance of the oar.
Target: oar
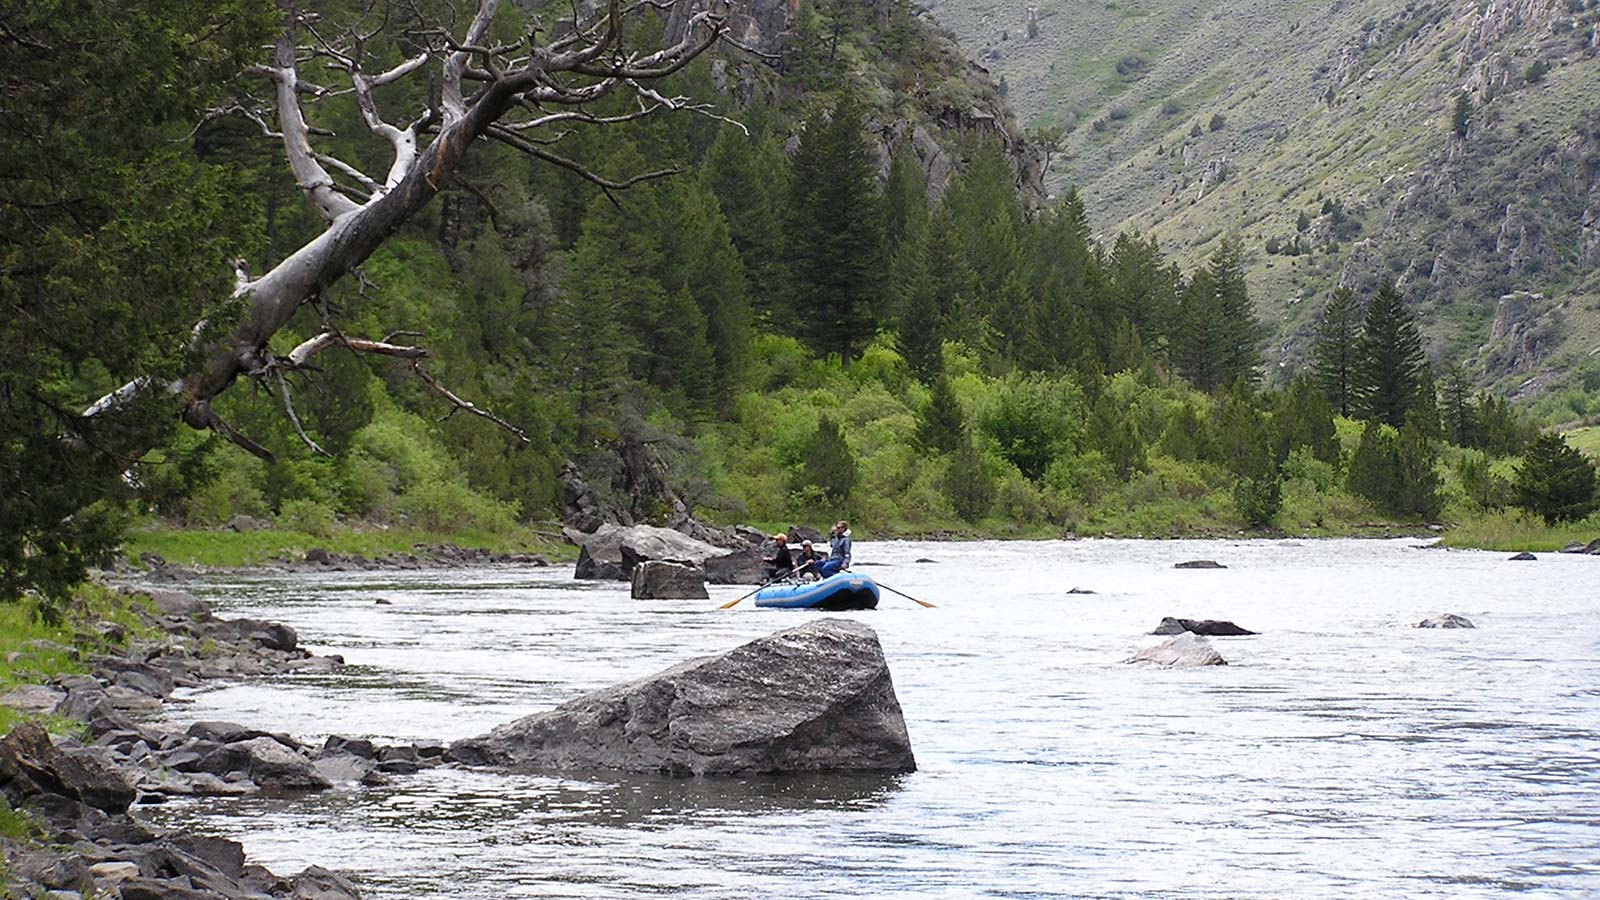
{"x": 905, "y": 595}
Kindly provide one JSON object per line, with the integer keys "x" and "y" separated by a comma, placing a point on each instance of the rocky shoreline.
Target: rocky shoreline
{"x": 80, "y": 792}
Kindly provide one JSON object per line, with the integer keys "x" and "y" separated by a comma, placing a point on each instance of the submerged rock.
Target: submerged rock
{"x": 814, "y": 698}
{"x": 1208, "y": 627}
{"x": 660, "y": 579}
{"x": 1524, "y": 556}
{"x": 1200, "y": 564}
{"x": 1447, "y": 620}
{"x": 1186, "y": 651}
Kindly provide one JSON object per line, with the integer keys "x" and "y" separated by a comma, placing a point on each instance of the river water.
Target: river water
{"x": 1340, "y": 754}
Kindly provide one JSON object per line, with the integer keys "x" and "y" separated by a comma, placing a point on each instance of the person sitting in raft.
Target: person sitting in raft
{"x": 781, "y": 565}
{"x": 810, "y": 563}
{"x": 838, "y": 550}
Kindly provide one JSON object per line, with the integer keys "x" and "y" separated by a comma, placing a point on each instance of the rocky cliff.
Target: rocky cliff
{"x": 1452, "y": 145}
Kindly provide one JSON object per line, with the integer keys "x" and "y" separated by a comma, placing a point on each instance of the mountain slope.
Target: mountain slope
{"x": 1189, "y": 120}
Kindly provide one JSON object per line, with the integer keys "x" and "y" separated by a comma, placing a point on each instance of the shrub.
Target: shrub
{"x": 309, "y": 516}
{"x": 1218, "y": 122}
{"x": 1033, "y": 420}
{"x": 1258, "y": 499}
{"x": 452, "y": 506}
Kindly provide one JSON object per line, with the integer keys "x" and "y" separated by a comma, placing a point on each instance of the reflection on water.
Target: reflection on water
{"x": 1340, "y": 754}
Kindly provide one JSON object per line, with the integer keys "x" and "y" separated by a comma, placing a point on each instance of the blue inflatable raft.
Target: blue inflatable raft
{"x": 845, "y": 590}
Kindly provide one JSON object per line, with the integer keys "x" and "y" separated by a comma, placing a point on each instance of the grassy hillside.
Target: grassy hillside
{"x": 1190, "y": 120}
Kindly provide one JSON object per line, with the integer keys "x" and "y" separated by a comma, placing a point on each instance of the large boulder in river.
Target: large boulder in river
{"x": 1186, "y": 651}
{"x": 1200, "y": 564}
{"x": 1207, "y": 627}
{"x": 660, "y": 579}
{"x": 1447, "y": 620}
{"x": 1524, "y": 556}
{"x": 612, "y": 551}
{"x": 809, "y": 699}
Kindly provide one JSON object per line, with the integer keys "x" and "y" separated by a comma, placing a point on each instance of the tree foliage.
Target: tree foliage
{"x": 1557, "y": 482}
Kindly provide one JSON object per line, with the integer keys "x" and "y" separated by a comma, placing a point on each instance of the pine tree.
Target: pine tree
{"x": 1557, "y": 482}
{"x": 1417, "y": 470}
{"x": 1186, "y": 437}
{"x": 1460, "y": 418}
{"x": 699, "y": 258}
{"x": 749, "y": 177}
{"x": 1373, "y": 469}
{"x": 1117, "y": 438}
{"x": 1198, "y": 340}
{"x": 921, "y": 324}
{"x": 830, "y": 463}
{"x": 1141, "y": 288}
{"x": 1241, "y": 332}
{"x": 1389, "y": 371}
{"x": 941, "y": 423}
{"x": 967, "y": 484}
{"x": 905, "y": 204}
{"x": 835, "y": 240}
{"x": 1304, "y": 418}
{"x": 1335, "y": 351}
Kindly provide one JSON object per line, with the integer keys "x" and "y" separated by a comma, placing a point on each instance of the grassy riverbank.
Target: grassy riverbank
{"x": 1517, "y": 530}
{"x": 38, "y": 644}
{"x": 231, "y": 549}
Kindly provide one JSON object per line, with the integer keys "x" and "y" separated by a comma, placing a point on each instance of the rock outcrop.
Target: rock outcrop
{"x": 666, "y": 580}
{"x": 809, "y": 699}
{"x": 1206, "y": 627}
{"x": 611, "y": 552}
{"x": 1186, "y": 651}
{"x": 1447, "y": 620}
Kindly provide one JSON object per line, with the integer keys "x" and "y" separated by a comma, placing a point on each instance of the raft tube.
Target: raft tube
{"x": 845, "y": 590}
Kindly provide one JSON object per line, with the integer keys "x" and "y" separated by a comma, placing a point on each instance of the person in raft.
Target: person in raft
{"x": 781, "y": 565}
{"x": 838, "y": 550}
{"x": 810, "y": 562}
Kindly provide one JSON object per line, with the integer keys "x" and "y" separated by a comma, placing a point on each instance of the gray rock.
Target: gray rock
{"x": 114, "y": 872}
{"x": 317, "y": 883}
{"x": 319, "y": 556}
{"x": 1446, "y": 620}
{"x": 1576, "y": 547}
{"x": 1524, "y": 556}
{"x": 1200, "y": 564}
{"x": 801, "y": 533}
{"x": 739, "y": 567}
{"x": 181, "y": 604}
{"x": 223, "y": 732}
{"x": 1079, "y": 590}
{"x": 1594, "y": 547}
{"x": 814, "y": 698}
{"x": 660, "y": 579}
{"x": 338, "y": 744}
{"x": 1186, "y": 651}
{"x": 1207, "y": 627}
{"x": 268, "y": 635}
{"x": 269, "y": 764}
{"x": 29, "y": 756}
{"x": 612, "y": 550}
{"x": 35, "y": 698}
{"x": 337, "y": 769}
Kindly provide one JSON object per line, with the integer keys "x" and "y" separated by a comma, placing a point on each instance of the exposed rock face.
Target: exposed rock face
{"x": 612, "y": 552}
{"x": 1186, "y": 651}
{"x": 1207, "y": 627}
{"x": 1447, "y": 620}
{"x": 814, "y": 698}
{"x": 1200, "y": 564}
{"x": 666, "y": 580}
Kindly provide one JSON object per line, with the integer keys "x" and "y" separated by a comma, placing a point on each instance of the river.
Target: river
{"x": 1340, "y": 754}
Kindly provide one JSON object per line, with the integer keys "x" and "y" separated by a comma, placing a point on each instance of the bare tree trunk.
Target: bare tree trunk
{"x": 516, "y": 87}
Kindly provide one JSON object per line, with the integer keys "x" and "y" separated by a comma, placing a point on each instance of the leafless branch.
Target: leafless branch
{"x": 518, "y": 142}
{"x": 294, "y": 419}
{"x": 458, "y": 404}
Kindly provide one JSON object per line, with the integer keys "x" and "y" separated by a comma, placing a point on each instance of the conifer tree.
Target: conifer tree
{"x": 1186, "y": 437}
{"x": 921, "y": 324}
{"x": 905, "y": 204}
{"x": 1241, "y": 331}
{"x": 1389, "y": 372}
{"x": 1304, "y": 418}
{"x": 1460, "y": 418}
{"x": 1373, "y": 472}
{"x": 1557, "y": 482}
{"x": 1198, "y": 341}
{"x": 830, "y": 463}
{"x": 1142, "y": 289}
{"x": 834, "y": 238}
{"x": 1417, "y": 472}
{"x": 1127, "y": 352}
{"x": 967, "y": 483}
{"x": 1117, "y": 438}
{"x": 700, "y": 259}
{"x": 941, "y": 423}
{"x": 1335, "y": 350}
{"x": 749, "y": 177}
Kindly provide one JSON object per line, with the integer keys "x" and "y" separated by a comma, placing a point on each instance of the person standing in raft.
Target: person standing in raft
{"x": 838, "y": 550}
{"x": 781, "y": 565}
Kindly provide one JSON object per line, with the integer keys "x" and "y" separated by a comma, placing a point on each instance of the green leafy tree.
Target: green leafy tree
{"x": 835, "y": 239}
{"x": 1335, "y": 350}
{"x": 1556, "y": 481}
{"x": 830, "y": 463}
{"x": 967, "y": 483}
{"x": 1390, "y": 358}
{"x": 1033, "y": 420}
